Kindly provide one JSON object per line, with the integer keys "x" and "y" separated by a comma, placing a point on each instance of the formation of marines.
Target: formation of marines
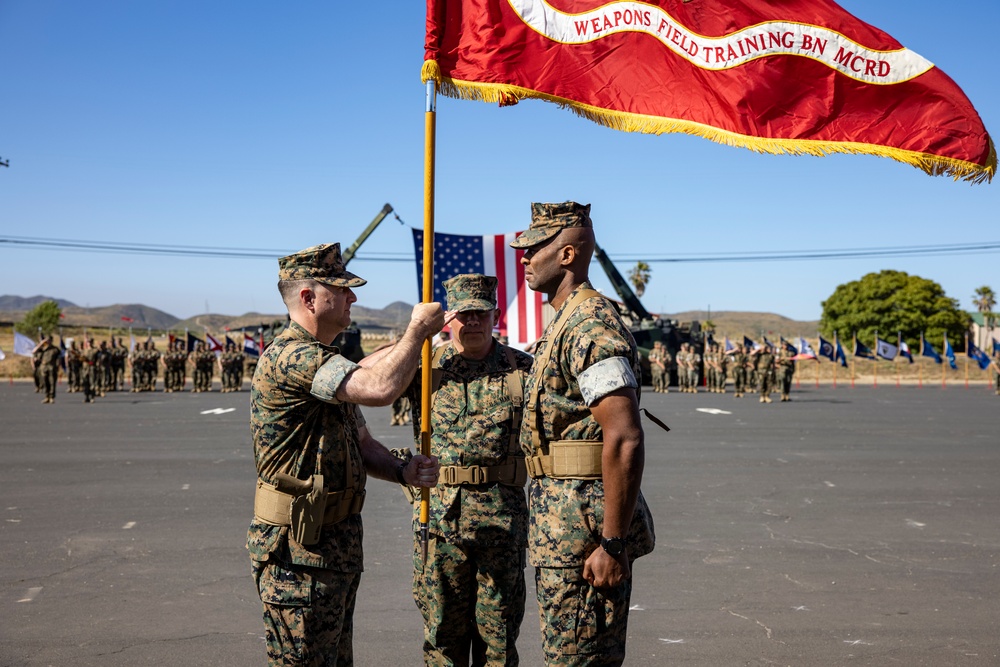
{"x": 95, "y": 369}
{"x": 753, "y": 370}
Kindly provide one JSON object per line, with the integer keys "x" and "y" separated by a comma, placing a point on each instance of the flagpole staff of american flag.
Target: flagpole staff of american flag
{"x": 430, "y": 127}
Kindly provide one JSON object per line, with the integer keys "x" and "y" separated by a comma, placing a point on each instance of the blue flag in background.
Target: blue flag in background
{"x": 826, "y": 349}
{"x": 791, "y": 349}
{"x": 950, "y": 353}
{"x": 729, "y": 346}
{"x": 862, "y": 350}
{"x": 748, "y": 343}
{"x": 979, "y": 356}
{"x": 191, "y": 340}
{"x": 841, "y": 357}
{"x": 929, "y": 351}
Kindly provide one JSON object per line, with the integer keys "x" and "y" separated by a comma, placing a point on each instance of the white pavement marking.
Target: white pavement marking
{"x": 714, "y": 411}
{"x": 671, "y": 641}
{"x": 636, "y": 607}
{"x": 830, "y": 484}
{"x": 914, "y": 524}
{"x": 855, "y": 642}
{"x": 185, "y": 487}
{"x": 217, "y": 411}
{"x": 30, "y": 595}
{"x": 129, "y": 525}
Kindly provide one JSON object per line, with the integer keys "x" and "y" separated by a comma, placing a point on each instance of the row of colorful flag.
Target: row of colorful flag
{"x": 884, "y": 349}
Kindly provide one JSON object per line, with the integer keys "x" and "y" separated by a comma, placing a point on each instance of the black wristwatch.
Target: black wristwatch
{"x": 613, "y": 545}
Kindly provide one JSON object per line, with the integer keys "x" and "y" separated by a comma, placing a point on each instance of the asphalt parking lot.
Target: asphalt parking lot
{"x": 851, "y": 526}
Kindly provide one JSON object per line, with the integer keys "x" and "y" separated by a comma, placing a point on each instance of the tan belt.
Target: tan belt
{"x": 510, "y": 474}
{"x": 274, "y": 507}
{"x": 568, "y": 459}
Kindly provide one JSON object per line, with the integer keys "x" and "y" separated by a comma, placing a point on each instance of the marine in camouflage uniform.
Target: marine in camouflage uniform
{"x": 471, "y": 590}
{"x": 74, "y": 362}
{"x": 764, "y": 366}
{"x": 784, "y": 370}
{"x": 48, "y": 367}
{"x": 88, "y": 375}
{"x": 722, "y": 361}
{"x": 694, "y": 372}
{"x": 682, "y": 368}
{"x": 588, "y": 519}
{"x": 739, "y": 365}
{"x": 658, "y": 367}
{"x": 710, "y": 367}
{"x": 313, "y": 453}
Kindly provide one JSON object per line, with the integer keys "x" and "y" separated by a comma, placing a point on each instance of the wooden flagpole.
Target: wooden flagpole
{"x": 920, "y": 362}
{"x": 430, "y": 127}
{"x": 875, "y": 363}
{"x": 899, "y": 349}
{"x": 854, "y": 357}
{"x": 836, "y": 361}
{"x": 966, "y": 359}
{"x": 944, "y": 377}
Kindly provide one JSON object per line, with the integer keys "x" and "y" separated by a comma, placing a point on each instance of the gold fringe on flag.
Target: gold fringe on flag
{"x": 506, "y": 95}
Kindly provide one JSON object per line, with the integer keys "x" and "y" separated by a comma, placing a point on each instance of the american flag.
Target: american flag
{"x": 454, "y": 254}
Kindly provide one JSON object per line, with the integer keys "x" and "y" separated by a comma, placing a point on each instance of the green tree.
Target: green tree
{"x": 639, "y": 277}
{"x": 44, "y": 316}
{"x": 891, "y": 301}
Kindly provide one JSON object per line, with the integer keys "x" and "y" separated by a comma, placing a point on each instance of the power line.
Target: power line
{"x": 219, "y": 252}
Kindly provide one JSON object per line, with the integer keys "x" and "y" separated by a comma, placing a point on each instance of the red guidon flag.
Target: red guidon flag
{"x": 797, "y": 77}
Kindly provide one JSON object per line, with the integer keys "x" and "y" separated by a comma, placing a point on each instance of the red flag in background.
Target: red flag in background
{"x": 796, "y": 77}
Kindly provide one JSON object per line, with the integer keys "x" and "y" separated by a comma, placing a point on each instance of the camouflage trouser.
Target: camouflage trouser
{"x": 693, "y": 377}
{"x": 720, "y": 380}
{"x": 739, "y": 380}
{"x": 50, "y": 377}
{"x": 308, "y": 614}
{"x": 766, "y": 382}
{"x": 581, "y": 626}
{"x": 785, "y": 382}
{"x": 710, "y": 377}
{"x": 659, "y": 379}
{"x": 472, "y": 601}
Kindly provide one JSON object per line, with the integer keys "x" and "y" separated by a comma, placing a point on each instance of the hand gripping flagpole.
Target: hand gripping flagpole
{"x": 430, "y": 111}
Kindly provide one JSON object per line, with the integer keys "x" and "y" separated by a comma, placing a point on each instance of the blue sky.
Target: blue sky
{"x": 277, "y": 126}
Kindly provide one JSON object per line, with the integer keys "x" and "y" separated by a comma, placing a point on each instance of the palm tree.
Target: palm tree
{"x": 985, "y": 299}
{"x": 639, "y": 277}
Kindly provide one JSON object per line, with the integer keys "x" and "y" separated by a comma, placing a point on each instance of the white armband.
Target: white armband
{"x": 330, "y": 376}
{"x": 604, "y": 377}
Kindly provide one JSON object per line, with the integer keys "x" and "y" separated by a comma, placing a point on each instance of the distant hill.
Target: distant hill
{"x": 9, "y": 302}
{"x": 14, "y": 308}
{"x": 735, "y": 323}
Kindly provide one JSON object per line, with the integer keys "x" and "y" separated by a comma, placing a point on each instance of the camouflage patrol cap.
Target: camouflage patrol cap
{"x": 321, "y": 263}
{"x": 471, "y": 291}
{"x": 547, "y": 220}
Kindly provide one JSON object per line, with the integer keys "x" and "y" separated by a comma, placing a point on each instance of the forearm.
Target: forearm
{"x": 379, "y": 461}
{"x": 622, "y": 463}
{"x": 384, "y": 380}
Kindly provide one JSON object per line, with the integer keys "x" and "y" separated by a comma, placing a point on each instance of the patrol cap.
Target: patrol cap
{"x": 471, "y": 291}
{"x": 547, "y": 220}
{"x": 321, "y": 263}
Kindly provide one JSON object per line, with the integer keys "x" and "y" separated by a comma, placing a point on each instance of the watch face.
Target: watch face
{"x": 614, "y": 546}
